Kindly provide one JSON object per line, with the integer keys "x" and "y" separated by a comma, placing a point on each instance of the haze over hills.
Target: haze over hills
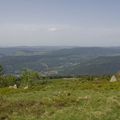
{"x": 27, "y": 50}
{"x": 61, "y": 60}
{"x": 60, "y": 25}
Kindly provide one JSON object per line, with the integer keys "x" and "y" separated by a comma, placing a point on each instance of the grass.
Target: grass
{"x": 62, "y": 100}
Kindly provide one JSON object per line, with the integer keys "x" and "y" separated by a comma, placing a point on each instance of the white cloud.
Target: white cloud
{"x": 53, "y": 29}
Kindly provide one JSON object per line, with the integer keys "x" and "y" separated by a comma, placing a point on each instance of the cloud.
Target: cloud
{"x": 53, "y": 29}
{"x": 58, "y": 28}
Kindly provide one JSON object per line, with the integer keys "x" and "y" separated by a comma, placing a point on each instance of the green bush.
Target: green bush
{"x": 8, "y": 80}
{"x": 29, "y": 78}
{"x": 1, "y": 70}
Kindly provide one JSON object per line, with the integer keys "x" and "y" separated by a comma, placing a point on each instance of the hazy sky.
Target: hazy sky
{"x": 60, "y": 22}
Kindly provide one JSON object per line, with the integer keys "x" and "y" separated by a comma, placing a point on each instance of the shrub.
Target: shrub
{"x": 8, "y": 80}
{"x": 29, "y": 77}
{"x": 1, "y": 70}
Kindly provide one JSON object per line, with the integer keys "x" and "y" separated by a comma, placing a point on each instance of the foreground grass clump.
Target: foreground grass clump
{"x": 62, "y": 100}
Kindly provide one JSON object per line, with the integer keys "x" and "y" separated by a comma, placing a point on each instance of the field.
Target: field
{"x": 62, "y": 99}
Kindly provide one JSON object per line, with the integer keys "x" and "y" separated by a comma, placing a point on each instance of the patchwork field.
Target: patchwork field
{"x": 62, "y": 99}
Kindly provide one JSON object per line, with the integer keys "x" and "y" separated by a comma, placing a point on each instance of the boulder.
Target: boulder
{"x": 113, "y": 79}
{"x": 26, "y": 87}
{"x": 14, "y": 86}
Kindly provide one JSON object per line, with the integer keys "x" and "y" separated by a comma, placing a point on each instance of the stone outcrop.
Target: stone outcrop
{"x": 115, "y": 77}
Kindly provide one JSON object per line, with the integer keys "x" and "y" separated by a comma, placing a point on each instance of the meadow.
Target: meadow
{"x": 62, "y": 99}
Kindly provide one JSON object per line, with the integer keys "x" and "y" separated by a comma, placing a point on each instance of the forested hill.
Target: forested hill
{"x": 100, "y": 66}
{"x": 61, "y": 60}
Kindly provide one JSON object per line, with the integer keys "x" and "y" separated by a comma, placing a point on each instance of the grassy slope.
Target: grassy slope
{"x": 62, "y": 100}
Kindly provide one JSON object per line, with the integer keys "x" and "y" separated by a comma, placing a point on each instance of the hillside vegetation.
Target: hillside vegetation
{"x": 62, "y": 99}
{"x": 99, "y": 66}
{"x": 59, "y": 61}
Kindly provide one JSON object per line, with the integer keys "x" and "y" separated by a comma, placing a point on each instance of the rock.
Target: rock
{"x": 26, "y": 87}
{"x": 113, "y": 79}
{"x": 10, "y": 86}
{"x": 14, "y": 87}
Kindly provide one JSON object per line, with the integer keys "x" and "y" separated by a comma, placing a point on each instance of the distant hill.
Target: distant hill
{"x": 61, "y": 60}
{"x": 27, "y": 51}
{"x": 89, "y": 51}
{"x": 99, "y": 66}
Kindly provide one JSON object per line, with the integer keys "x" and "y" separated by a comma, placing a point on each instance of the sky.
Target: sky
{"x": 59, "y": 22}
